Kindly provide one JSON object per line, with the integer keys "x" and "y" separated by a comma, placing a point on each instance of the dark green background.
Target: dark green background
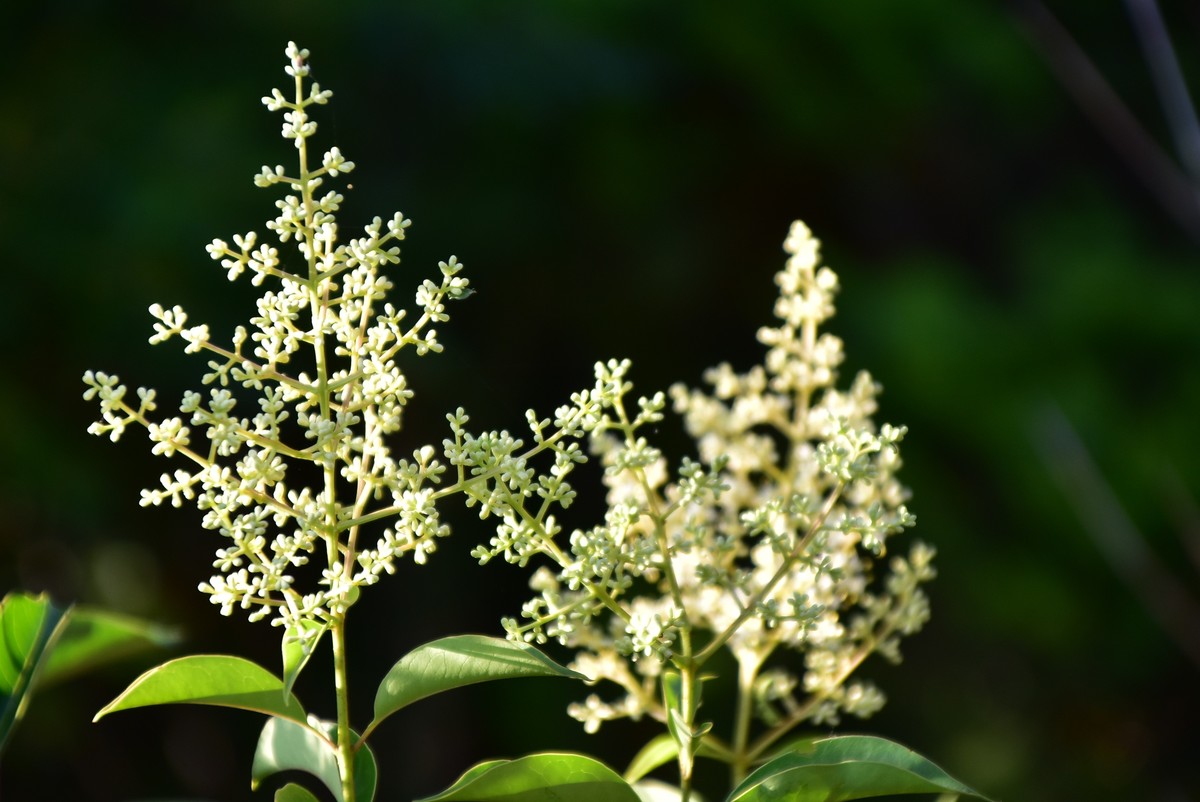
{"x": 618, "y": 177}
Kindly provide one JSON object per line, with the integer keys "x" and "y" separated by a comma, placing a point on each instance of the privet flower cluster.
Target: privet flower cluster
{"x": 773, "y": 538}
{"x": 766, "y": 542}
{"x": 312, "y": 380}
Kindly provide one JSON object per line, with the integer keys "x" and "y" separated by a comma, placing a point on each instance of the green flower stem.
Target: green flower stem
{"x": 888, "y": 626}
{"x": 462, "y": 484}
{"x": 261, "y": 371}
{"x": 551, "y": 549}
{"x": 362, "y": 493}
{"x": 740, "y": 766}
{"x": 687, "y": 701}
{"x": 749, "y": 610}
{"x": 556, "y": 614}
{"x": 319, "y": 305}
{"x": 207, "y": 462}
{"x": 345, "y": 742}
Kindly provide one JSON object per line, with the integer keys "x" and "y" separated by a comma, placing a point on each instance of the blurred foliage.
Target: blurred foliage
{"x": 617, "y": 178}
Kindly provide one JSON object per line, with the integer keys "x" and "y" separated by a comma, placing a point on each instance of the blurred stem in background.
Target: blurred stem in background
{"x": 1176, "y": 190}
{"x": 1165, "y": 596}
{"x": 1176, "y": 187}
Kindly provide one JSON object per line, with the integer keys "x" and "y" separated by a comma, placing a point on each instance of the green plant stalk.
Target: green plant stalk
{"x": 740, "y": 765}
{"x": 716, "y": 643}
{"x": 687, "y": 701}
{"x": 886, "y": 627}
{"x": 319, "y": 304}
{"x": 345, "y": 740}
{"x": 686, "y": 661}
{"x": 461, "y": 484}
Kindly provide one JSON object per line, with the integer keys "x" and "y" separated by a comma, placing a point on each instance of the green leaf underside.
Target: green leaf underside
{"x": 299, "y": 644}
{"x": 661, "y": 749}
{"x": 209, "y": 679}
{"x": 294, "y": 793}
{"x": 93, "y": 637}
{"x": 657, "y": 752}
{"x": 547, "y": 777}
{"x": 27, "y": 629}
{"x": 845, "y": 768}
{"x": 285, "y": 745}
{"x": 655, "y": 791}
{"x": 458, "y": 661}
{"x": 672, "y": 687}
{"x": 20, "y": 622}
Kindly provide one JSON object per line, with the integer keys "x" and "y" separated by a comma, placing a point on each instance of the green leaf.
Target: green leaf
{"x": 687, "y": 736}
{"x": 28, "y": 627}
{"x": 93, "y": 637}
{"x": 657, "y": 752}
{"x": 800, "y": 743}
{"x": 844, "y": 768}
{"x": 294, "y": 793}
{"x": 470, "y": 776}
{"x": 285, "y": 745}
{"x": 655, "y": 791}
{"x": 672, "y": 688}
{"x": 299, "y": 643}
{"x": 210, "y": 679}
{"x": 457, "y": 661}
{"x": 546, "y": 777}
{"x": 663, "y": 748}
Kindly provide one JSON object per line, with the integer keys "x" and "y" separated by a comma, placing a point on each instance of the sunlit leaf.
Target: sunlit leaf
{"x": 299, "y": 643}
{"x": 844, "y": 768}
{"x": 800, "y": 743}
{"x": 28, "y": 626}
{"x": 658, "y": 751}
{"x": 294, "y": 793}
{"x": 210, "y": 679}
{"x": 93, "y": 637}
{"x": 655, "y": 791}
{"x": 285, "y": 745}
{"x": 687, "y": 736}
{"x": 457, "y": 661}
{"x": 547, "y": 777}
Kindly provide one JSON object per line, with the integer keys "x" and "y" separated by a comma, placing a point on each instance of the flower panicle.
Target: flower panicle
{"x": 313, "y": 377}
{"x": 765, "y": 542}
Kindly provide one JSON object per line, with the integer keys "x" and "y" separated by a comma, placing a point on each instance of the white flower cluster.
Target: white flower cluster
{"x": 768, "y": 542}
{"x": 320, "y": 357}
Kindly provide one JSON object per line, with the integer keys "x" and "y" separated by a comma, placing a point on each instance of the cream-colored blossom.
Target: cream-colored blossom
{"x": 767, "y": 545}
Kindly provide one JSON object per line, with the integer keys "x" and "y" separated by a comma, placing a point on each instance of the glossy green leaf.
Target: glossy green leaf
{"x": 657, "y": 752}
{"x": 285, "y": 745}
{"x": 547, "y": 777}
{"x": 662, "y": 748}
{"x": 457, "y": 661}
{"x": 655, "y": 791}
{"x": 470, "y": 774}
{"x": 293, "y": 792}
{"x": 93, "y": 637}
{"x": 687, "y": 736}
{"x": 844, "y": 768}
{"x": 210, "y": 679}
{"x": 800, "y": 743}
{"x": 28, "y": 626}
{"x": 299, "y": 644}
